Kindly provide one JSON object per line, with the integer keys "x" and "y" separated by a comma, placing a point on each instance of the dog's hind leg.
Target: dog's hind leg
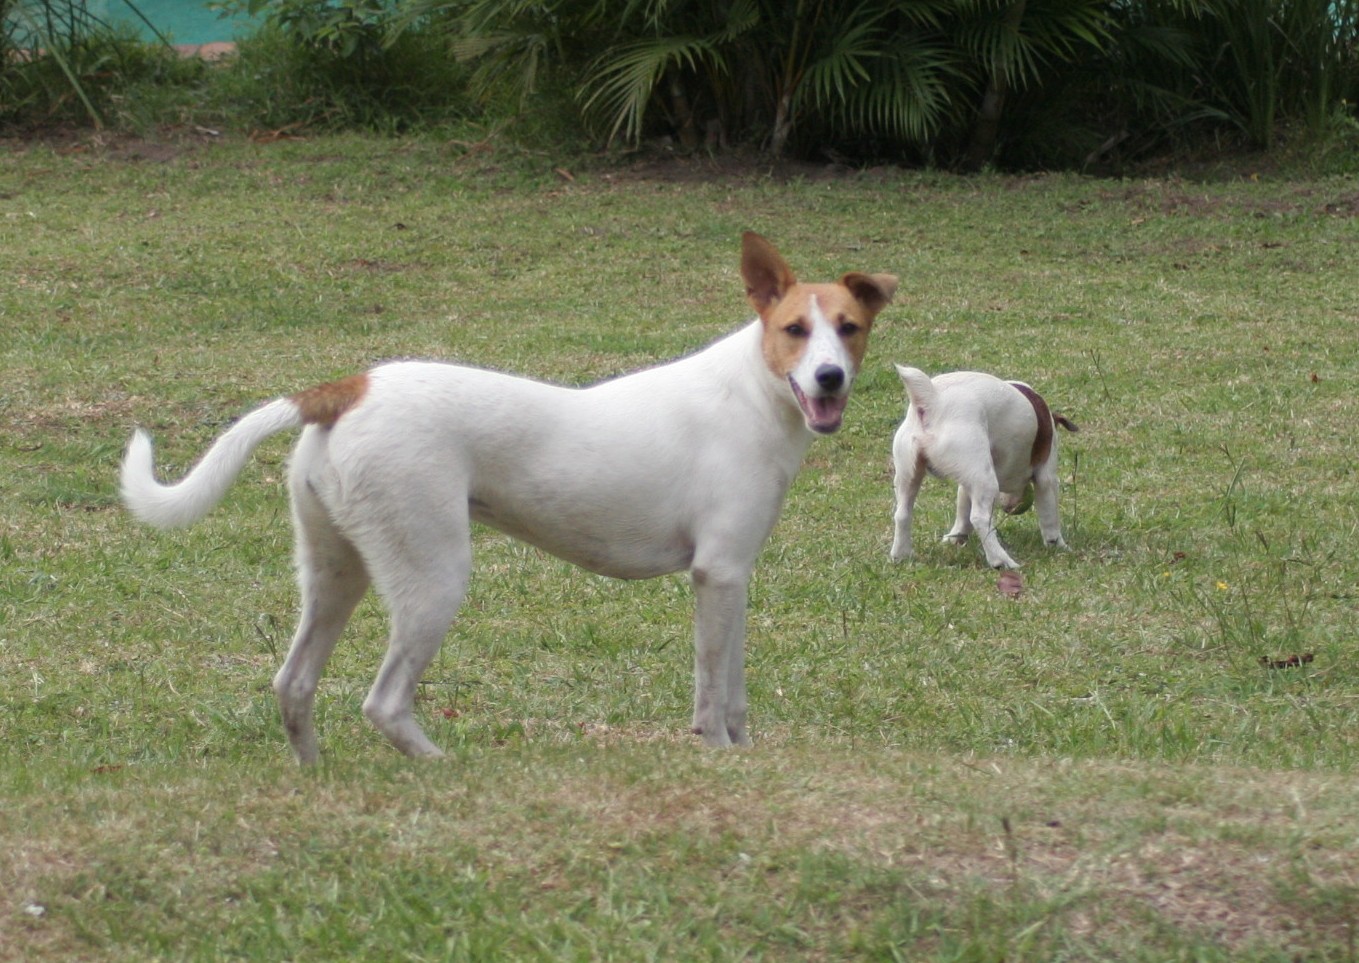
{"x": 423, "y": 578}
{"x": 332, "y": 579}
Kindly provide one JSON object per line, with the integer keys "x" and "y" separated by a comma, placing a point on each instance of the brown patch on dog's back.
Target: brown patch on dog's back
{"x": 324, "y": 404}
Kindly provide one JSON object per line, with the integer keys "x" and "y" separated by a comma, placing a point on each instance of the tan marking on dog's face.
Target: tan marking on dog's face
{"x": 789, "y": 325}
{"x": 814, "y": 335}
{"x": 324, "y": 404}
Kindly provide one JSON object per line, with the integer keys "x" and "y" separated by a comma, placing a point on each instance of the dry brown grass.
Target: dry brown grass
{"x": 1109, "y": 854}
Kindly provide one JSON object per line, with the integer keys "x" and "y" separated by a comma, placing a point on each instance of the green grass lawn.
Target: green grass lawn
{"x": 1100, "y": 769}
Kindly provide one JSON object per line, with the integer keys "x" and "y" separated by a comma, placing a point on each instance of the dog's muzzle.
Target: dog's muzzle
{"x": 824, "y": 412}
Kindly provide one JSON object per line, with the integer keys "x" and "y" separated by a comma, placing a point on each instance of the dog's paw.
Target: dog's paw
{"x": 954, "y": 538}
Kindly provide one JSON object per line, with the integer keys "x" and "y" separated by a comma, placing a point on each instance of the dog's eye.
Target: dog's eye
{"x": 796, "y": 330}
{"x": 848, "y": 329}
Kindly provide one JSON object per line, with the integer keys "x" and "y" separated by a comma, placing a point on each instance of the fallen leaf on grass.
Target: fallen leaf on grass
{"x": 1010, "y": 584}
{"x": 1288, "y": 662}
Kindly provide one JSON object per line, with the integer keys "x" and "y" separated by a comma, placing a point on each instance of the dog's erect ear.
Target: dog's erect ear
{"x": 873, "y": 291}
{"x": 767, "y": 275}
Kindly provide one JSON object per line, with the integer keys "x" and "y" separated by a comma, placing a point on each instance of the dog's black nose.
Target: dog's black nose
{"x": 830, "y": 377}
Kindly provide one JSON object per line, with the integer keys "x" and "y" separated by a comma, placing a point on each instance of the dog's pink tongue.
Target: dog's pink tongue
{"x": 824, "y": 414}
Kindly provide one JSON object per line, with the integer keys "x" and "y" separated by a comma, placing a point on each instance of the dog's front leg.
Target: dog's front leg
{"x": 720, "y": 704}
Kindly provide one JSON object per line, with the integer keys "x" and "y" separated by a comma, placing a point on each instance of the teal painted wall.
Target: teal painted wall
{"x": 181, "y": 21}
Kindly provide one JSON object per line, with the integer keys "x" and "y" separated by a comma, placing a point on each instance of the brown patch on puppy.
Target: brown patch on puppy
{"x": 1042, "y": 439}
{"x": 324, "y": 404}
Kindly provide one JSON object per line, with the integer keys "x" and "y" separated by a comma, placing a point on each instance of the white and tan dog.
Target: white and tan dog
{"x": 681, "y": 466}
{"x": 992, "y": 438}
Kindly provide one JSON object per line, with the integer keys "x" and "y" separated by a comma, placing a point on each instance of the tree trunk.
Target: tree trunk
{"x": 783, "y": 125}
{"x": 685, "y": 127}
{"x": 986, "y": 128}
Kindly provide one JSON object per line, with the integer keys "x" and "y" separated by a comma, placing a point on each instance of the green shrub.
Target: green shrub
{"x": 313, "y": 64}
{"x": 61, "y": 65}
{"x": 321, "y": 64}
{"x": 963, "y": 83}
{"x": 276, "y": 82}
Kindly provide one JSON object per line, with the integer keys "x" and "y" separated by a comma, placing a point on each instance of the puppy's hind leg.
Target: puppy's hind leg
{"x": 1045, "y": 487}
{"x": 910, "y": 473}
{"x": 962, "y": 519}
{"x": 981, "y": 490}
{"x": 332, "y": 579}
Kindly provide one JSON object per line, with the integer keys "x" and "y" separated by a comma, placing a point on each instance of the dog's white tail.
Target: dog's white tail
{"x": 185, "y": 502}
{"x": 919, "y": 386}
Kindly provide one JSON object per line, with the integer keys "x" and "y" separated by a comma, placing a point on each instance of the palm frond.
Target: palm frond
{"x": 910, "y": 94}
{"x": 1019, "y": 45}
{"x": 621, "y": 82}
{"x": 843, "y": 65}
{"x": 743, "y": 15}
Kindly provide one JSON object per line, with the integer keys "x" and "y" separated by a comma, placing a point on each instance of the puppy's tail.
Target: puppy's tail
{"x": 1065, "y": 422}
{"x": 924, "y": 395}
{"x": 188, "y": 500}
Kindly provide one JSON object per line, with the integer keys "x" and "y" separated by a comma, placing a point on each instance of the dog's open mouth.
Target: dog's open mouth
{"x": 823, "y": 415}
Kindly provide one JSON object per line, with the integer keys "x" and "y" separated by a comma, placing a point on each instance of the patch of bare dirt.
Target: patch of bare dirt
{"x": 675, "y": 168}
{"x": 170, "y": 145}
{"x": 1177, "y": 197}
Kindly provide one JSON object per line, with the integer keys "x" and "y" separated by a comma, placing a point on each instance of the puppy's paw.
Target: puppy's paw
{"x": 955, "y": 538}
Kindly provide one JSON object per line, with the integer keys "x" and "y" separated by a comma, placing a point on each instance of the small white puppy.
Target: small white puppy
{"x": 995, "y": 439}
